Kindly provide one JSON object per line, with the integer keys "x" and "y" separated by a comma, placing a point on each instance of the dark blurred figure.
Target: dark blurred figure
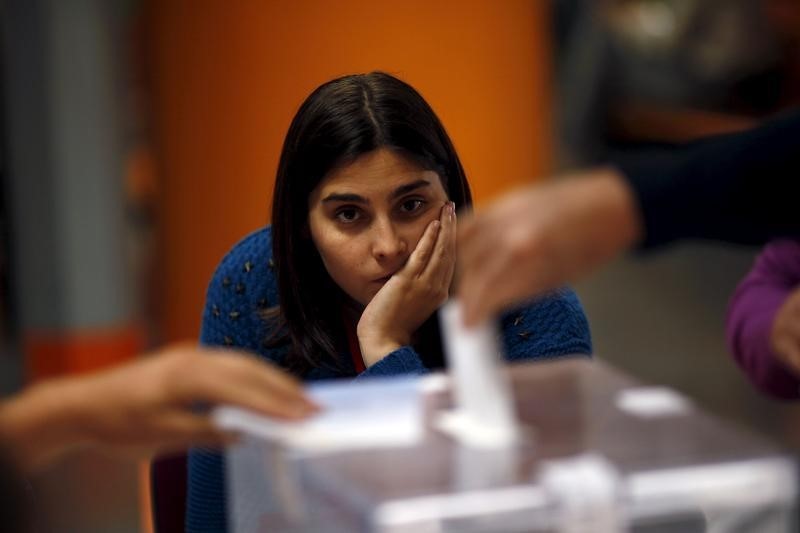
{"x": 15, "y": 500}
{"x": 633, "y": 72}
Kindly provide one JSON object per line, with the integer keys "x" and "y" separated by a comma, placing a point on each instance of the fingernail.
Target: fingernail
{"x": 436, "y": 224}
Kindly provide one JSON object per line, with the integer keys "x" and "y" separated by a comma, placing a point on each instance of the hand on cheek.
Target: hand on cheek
{"x": 412, "y": 295}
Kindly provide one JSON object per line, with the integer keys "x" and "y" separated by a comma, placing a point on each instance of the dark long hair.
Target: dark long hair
{"x": 340, "y": 121}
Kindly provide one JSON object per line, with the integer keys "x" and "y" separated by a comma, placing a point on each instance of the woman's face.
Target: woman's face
{"x": 367, "y": 217}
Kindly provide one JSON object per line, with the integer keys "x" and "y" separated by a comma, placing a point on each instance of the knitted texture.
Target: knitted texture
{"x": 244, "y": 285}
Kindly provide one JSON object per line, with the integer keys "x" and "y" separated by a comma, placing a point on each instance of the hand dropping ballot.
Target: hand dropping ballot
{"x": 389, "y": 412}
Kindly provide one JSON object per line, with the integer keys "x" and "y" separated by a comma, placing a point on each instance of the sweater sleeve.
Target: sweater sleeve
{"x": 404, "y": 360}
{"x": 548, "y": 327}
{"x": 751, "y": 312}
{"x": 240, "y": 289}
{"x": 551, "y": 326}
{"x": 739, "y": 187}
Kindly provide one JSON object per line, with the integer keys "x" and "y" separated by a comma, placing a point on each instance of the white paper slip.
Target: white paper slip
{"x": 653, "y": 402}
{"x": 374, "y": 413}
{"x": 484, "y": 414}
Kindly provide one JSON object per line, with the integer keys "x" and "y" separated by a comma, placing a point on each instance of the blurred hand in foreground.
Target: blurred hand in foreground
{"x": 539, "y": 237}
{"x": 145, "y": 407}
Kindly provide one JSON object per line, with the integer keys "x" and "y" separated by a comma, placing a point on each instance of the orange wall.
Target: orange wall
{"x": 227, "y": 77}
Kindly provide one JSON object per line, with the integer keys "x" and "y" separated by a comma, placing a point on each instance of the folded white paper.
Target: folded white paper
{"x": 653, "y": 402}
{"x": 374, "y": 413}
{"x": 484, "y": 414}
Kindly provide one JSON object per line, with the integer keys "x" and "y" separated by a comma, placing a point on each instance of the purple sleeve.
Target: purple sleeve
{"x": 751, "y": 312}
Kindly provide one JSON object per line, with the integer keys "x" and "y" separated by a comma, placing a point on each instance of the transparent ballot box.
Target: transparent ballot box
{"x": 599, "y": 452}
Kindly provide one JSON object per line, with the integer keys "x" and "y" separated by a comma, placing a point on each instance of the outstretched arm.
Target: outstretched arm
{"x": 145, "y": 407}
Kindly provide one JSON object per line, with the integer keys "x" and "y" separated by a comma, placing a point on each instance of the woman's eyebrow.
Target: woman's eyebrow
{"x": 357, "y": 199}
{"x": 345, "y": 197}
{"x": 407, "y": 188}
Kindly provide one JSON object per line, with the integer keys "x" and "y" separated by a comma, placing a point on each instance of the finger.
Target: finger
{"x": 446, "y": 230}
{"x": 471, "y": 259}
{"x": 793, "y": 327}
{"x": 468, "y": 225}
{"x": 239, "y": 380}
{"x": 788, "y": 328}
{"x": 228, "y": 391}
{"x": 794, "y": 297}
{"x": 474, "y": 248}
{"x": 261, "y": 372}
{"x": 444, "y": 249}
{"x": 792, "y": 356}
{"x": 421, "y": 255}
{"x": 451, "y": 254}
{"x": 177, "y": 431}
{"x": 487, "y": 291}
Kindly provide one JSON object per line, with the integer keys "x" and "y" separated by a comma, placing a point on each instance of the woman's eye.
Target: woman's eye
{"x": 348, "y": 215}
{"x": 412, "y": 205}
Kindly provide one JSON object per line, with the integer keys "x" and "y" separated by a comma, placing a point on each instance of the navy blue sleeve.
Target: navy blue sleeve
{"x": 242, "y": 287}
{"x": 551, "y": 326}
{"x": 206, "y": 500}
{"x": 740, "y": 187}
{"x": 403, "y": 361}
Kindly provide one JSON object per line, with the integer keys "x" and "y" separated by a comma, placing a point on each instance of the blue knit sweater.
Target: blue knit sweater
{"x": 245, "y": 284}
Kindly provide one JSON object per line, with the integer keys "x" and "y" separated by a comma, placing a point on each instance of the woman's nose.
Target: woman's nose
{"x": 388, "y": 243}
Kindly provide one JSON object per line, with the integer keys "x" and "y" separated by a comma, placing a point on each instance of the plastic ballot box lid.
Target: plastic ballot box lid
{"x": 598, "y": 452}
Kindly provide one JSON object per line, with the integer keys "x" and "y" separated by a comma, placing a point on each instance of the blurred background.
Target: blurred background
{"x": 140, "y": 141}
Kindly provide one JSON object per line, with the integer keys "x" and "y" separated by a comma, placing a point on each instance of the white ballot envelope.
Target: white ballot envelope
{"x": 361, "y": 414}
{"x": 484, "y": 413}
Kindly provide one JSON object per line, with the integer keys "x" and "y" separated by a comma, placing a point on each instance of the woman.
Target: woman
{"x": 360, "y": 254}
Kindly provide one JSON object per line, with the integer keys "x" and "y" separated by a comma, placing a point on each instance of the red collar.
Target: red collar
{"x": 355, "y": 347}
